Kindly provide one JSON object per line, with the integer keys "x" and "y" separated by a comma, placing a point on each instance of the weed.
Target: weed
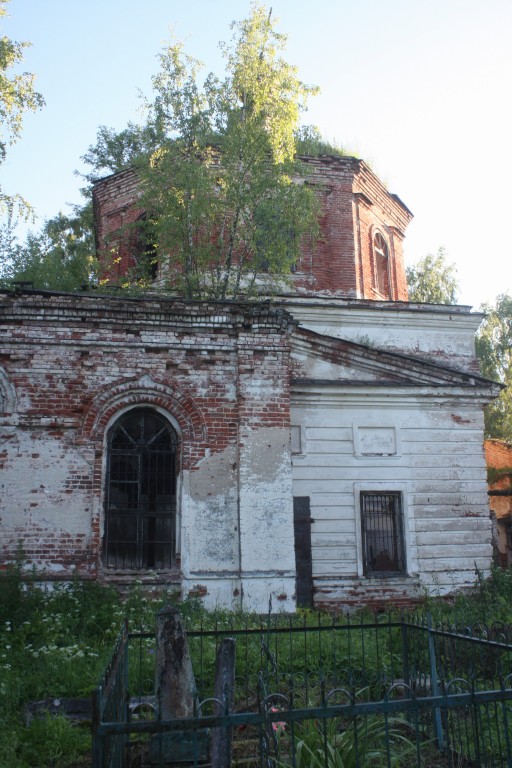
{"x": 367, "y": 742}
{"x": 52, "y": 742}
{"x": 55, "y": 643}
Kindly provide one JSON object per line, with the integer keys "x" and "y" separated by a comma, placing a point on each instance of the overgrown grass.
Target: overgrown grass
{"x": 364, "y": 743}
{"x": 56, "y": 642}
{"x": 489, "y": 602}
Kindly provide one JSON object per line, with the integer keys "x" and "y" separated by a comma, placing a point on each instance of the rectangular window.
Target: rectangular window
{"x": 382, "y": 533}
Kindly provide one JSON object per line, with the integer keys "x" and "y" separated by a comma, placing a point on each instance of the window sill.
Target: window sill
{"x": 170, "y": 575}
{"x": 391, "y": 576}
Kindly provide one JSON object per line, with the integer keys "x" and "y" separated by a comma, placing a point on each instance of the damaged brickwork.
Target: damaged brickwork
{"x": 218, "y": 372}
{"x": 151, "y": 438}
{"x": 354, "y": 207}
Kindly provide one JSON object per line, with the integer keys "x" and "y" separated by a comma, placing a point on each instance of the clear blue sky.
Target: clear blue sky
{"x": 419, "y": 88}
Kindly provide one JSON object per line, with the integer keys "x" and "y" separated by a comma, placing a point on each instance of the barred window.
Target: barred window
{"x": 140, "y": 497}
{"x": 382, "y": 533}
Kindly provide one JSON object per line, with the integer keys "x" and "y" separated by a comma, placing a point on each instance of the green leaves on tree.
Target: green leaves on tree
{"x": 494, "y": 350}
{"x": 433, "y": 280}
{"x": 224, "y": 189}
{"x": 61, "y": 257}
{"x": 17, "y": 96}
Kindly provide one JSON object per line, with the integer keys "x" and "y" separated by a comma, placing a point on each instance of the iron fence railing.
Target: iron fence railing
{"x": 109, "y": 705}
{"x": 387, "y": 693}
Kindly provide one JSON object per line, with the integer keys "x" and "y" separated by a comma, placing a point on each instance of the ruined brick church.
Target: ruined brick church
{"x": 322, "y": 448}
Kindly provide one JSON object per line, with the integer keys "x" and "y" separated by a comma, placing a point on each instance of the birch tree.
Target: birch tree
{"x": 17, "y": 96}
{"x": 225, "y": 194}
{"x": 433, "y": 280}
{"x": 494, "y": 349}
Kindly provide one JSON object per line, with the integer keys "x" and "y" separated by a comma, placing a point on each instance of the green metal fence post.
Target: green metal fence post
{"x": 97, "y": 741}
{"x": 504, "y": 709}
{"x": 126, "y": 698}
{"x": 438, "y": 726}
{"x": 405, "y": 657}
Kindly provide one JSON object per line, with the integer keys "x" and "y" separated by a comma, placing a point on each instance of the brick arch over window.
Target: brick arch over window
{"x": 110, "y": 403}
{"x": 147, "y": 392}
{"x": 7, "y": 394}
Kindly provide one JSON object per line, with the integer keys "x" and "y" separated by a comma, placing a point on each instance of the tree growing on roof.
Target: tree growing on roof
{"x": 61, "y": 256}
{"x": 248, "y": 201}
{"x": 222, "y": 191}
{"x": 114, "y": 151}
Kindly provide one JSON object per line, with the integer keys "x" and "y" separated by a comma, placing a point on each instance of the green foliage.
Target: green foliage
{"x": 433, "y": 280}
{"x": 488, "y": 602}
{"x": 309, "y": 142}
{"x": 56, "y": 643}
{"x": 237, "y": 209}
{"x": 495, "y": 596}
{"x": 494, "y": 350}
{"x": 365, "y": 743}
{"x": 19, "y": 600}
{"x": 17, "y": 96}
{"x": 115, "y": 152}
{"x": 494, "y": 474}
{"x": 61, "y": 257}
{"x": 53, "y": 644}
{"x": 221, "y": 188}
{"x": 52, "y": 742}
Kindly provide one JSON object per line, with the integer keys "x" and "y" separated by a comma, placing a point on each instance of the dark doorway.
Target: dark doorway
{"x": 302, "y": 527}
{"x": 140, "y": 494}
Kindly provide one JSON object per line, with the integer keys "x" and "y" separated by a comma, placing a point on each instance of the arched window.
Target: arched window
{"x": 146, "y": 250}
{"x": 381, "y": 262}
{"x": 140, "y": 493}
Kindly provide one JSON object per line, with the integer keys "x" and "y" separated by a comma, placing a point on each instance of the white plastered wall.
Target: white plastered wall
{"x": 427, "y": 446}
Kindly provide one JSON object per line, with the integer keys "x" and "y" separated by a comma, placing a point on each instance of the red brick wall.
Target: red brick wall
{"x": 498, "y": 454}
{"x": 76, "y": 362}
{"x": 116, "y": 210}
{"x": 354, "y": 204}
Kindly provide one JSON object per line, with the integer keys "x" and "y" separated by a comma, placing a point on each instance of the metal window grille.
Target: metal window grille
{"x": 140, "y": 499}
{"x": 382, "y": 531}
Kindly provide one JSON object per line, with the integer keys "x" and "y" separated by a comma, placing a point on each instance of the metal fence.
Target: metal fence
{"x": 386, "y": 693}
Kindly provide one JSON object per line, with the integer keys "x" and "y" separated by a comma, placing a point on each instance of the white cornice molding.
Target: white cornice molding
{"x": 375, "y": 396}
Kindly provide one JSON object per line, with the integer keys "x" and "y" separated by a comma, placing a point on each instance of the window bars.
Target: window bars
{"x": 382, "y": 533}
{"x": 140, "y": 496}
